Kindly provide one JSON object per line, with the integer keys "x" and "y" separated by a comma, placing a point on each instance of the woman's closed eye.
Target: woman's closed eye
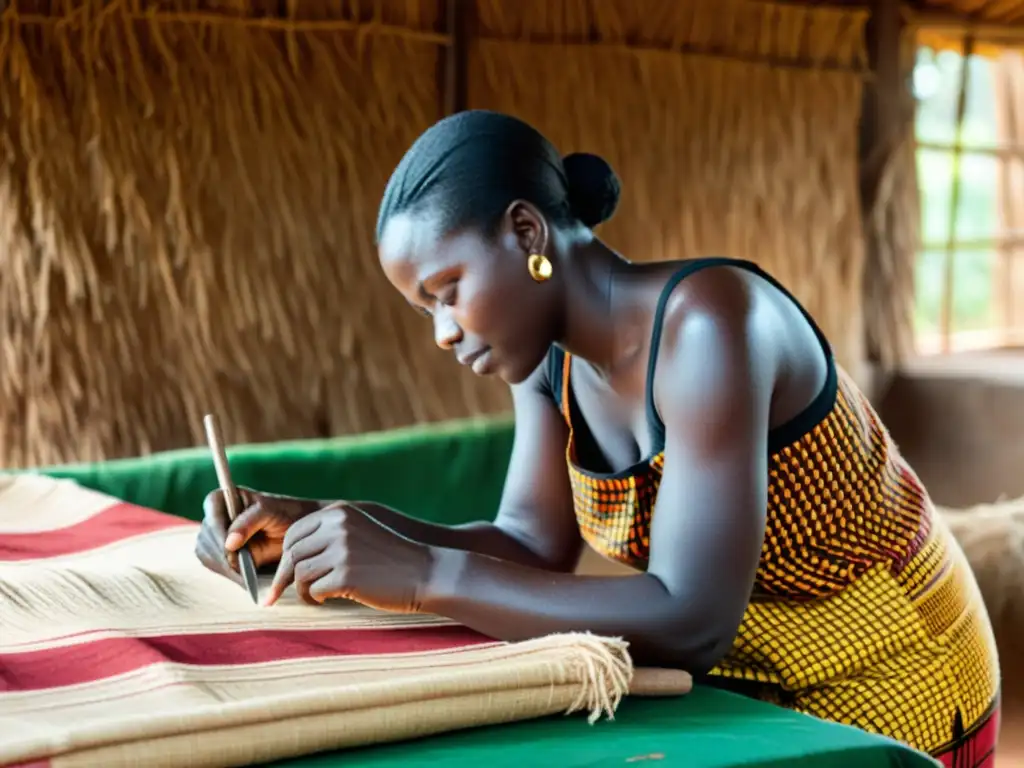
{"x": 448, "y": 295}
{"x": 427, "y": 299}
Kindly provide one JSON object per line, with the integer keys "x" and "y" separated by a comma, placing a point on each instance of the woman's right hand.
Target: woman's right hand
{"x": 261, "y": 525}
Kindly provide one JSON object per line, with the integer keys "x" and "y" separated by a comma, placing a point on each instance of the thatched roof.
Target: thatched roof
{"x": 994, "y": 25}
{"x": 995, "y": 12}
{"x": 189, "y": 188}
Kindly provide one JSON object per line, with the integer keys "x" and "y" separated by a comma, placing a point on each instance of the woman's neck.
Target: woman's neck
{"x": 603, "y": 320}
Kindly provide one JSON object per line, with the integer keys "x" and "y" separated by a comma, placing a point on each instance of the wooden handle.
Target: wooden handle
{"x": 220, "y": 464}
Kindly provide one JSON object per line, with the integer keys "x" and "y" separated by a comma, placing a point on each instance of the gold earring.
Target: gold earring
{"x": 539, "y": 266}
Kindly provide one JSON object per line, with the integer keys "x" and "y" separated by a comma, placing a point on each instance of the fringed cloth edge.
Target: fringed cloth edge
{"x": 118, "y": 648}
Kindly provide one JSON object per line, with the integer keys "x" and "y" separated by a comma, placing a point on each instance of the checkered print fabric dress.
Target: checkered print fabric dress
{"x": 864, "y": 609}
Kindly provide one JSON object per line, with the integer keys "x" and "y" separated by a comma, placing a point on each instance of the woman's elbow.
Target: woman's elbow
{"x": 696, "y": 658}
{"x": 687, "y": 631}
{"x": 708, "y": 657}
{"x": 675, "y": 647}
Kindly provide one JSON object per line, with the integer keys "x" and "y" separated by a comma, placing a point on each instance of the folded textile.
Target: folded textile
{"x": 118, "y": 648}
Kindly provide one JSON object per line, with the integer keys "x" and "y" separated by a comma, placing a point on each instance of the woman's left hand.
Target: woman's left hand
{"x": 340, "y": 551}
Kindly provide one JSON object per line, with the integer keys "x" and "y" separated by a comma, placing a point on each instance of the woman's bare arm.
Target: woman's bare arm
{"x": 535, "y": 525}
{"x": 708, "y": 525}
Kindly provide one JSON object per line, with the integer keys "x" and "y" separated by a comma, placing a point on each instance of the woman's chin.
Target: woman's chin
{"x": 511, "y": 370}
{"x": 511, "y": 373}
{"x": 510, "y": 380}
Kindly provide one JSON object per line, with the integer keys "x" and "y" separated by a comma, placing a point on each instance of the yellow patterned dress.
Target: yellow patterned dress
{"x": 864, "y": 609}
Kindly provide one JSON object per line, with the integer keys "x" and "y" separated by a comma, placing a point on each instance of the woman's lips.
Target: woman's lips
{"x": 483, "y": 363}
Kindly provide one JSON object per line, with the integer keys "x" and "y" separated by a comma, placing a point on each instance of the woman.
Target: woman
{"x": 687, "y": 419}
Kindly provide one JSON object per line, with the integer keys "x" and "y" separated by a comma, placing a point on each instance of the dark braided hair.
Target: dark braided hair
{"x": 470, "y": 167}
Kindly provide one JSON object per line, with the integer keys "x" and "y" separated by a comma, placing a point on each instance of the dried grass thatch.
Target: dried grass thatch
{"x": 187, "y": 207}
{"x": 188, "y": 190}
{"x": 892, "y": 216}
{"x": 1003, "y": 12}
{"x": 994, "y": 25}
{"x": 719, "y": 155}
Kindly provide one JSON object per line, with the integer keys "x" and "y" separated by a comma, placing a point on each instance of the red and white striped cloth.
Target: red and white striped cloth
{"x": 118, "y": 648}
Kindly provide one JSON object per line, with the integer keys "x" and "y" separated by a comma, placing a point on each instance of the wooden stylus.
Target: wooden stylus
{"x": 232, "y": 499}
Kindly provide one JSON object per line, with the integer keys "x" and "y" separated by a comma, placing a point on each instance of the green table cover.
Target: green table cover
{"x": 454, "y": 473}
{"x": 705, "y": 729}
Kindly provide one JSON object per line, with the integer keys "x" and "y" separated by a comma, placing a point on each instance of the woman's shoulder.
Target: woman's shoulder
{"x": 714, "y": 304}
{"x": 738, "y": 310}
{"x": 722, "y": 346}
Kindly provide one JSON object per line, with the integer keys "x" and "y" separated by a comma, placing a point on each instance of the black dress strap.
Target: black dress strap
{"x": 584, "y": 444}
{"x": 781, "y": 435}
{"x": 554, "y": 362}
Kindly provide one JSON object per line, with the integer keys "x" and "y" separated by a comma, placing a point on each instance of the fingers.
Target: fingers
{"x": 252, "y": 520}
{"x": 300, "y": 529}
{"x": 212, "y": 556}
{"x": 217, "y": 520}
{"x": 311, "y": 570}
{"x": 330, "y": 584}
{"x": 304, "y": 545}
{"x": 215, "y": 513}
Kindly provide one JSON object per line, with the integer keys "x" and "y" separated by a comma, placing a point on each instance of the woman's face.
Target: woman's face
{"x": 477, "y": 291}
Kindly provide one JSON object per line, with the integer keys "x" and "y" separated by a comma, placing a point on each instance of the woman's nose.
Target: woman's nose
{"x": 446, "y": 331}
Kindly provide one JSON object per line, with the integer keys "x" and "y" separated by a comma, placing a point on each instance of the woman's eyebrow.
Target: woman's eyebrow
{"x": 423, "y": 293}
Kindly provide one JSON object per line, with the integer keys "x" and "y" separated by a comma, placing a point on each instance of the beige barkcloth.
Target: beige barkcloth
{"x": 167, "y": 713}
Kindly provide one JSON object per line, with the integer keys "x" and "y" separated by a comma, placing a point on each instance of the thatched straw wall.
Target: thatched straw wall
{"x": 188, "y": 190}
{"x": 889, "y": 196}
{"x": 720, "y": 154}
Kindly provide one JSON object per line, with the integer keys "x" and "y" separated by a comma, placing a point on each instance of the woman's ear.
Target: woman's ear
{"x": 528, "y": 226}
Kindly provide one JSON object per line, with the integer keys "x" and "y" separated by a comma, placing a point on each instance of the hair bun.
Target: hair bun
{"x": 593, "y": 187}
